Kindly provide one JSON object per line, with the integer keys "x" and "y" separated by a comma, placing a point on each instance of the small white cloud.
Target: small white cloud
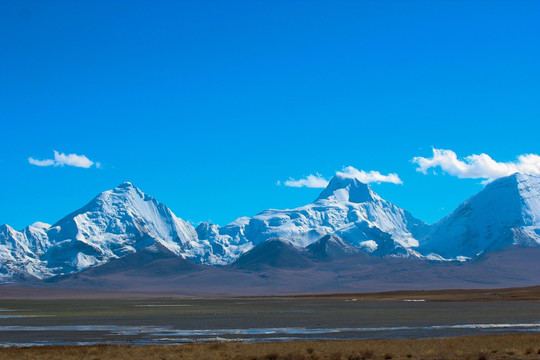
{"x": 369, "y": 177}
{"x": 47, "y": 162}
{"x": 311, "y": 181}
{"x": 477, "y": 166}
{"x": 72, "y": 160}
{"x": 61, "y": 159}
{"x": 318, "y": 181}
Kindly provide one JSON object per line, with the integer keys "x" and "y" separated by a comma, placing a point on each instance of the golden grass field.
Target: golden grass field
{"x": 523, "y": 346}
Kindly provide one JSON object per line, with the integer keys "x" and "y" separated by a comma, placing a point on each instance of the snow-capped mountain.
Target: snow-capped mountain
{"x": 227, "y": 243}
{"x": 20, "y": 252}
{"x": 347, "y": 220}
{"x": 506, "y": 212}
{"x": 115, "y": 223}
{"x": 346, "y": 207}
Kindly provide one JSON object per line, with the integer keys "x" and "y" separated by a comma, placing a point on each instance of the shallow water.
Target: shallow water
{"x": 141, "y": 322}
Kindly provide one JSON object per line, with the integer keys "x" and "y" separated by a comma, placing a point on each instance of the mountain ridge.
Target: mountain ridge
{"x": 348, "y": 215}
{"x": 346, "y": 207}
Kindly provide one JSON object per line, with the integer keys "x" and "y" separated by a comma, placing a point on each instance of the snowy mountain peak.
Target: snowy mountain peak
{"x": 515, "y": 177}
{"x": 521, "y": 182}
{"x": 125, "y": 184}
{"x": 525, "y": 190}
{"x": 518, "y": 194}
{"x": 518, "y": 184}
{"x": 115, "y": 223}
{"x": 506, "y": 212}
{"x": 128, "y": 188}
{"x": 123, "y": 200}
{"x": 347, "y": 189}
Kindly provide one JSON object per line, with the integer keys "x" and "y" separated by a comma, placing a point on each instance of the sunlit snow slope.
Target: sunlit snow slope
{"x": 115, "y": 223}
{"x": 506, "y": 212}
{"x": 347, "y": 208}
{"x": 347, "y": 213}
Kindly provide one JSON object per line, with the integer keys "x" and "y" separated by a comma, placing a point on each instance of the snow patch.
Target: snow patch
{"x": 369, "y": 246}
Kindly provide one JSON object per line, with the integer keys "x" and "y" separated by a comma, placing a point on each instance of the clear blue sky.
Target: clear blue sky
{"x": 206, "y": 105}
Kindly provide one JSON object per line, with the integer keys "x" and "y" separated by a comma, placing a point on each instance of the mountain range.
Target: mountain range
{"x": 348, "y": 230}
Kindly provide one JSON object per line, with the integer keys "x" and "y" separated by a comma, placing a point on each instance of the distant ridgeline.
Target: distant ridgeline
{"x": 347, "y": 220}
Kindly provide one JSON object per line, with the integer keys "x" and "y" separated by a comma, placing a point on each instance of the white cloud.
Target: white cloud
{"x": 369, "y": 177}
{"x": 318, "y": 181}
{"x": 47, "y": 162}
{"x": 61, "y": 159}
{"x": 477, "y": 166}
{"x": 72, "y": 160}
{"x": 311, "y": 181}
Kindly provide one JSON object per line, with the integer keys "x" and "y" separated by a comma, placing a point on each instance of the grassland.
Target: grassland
{"x": 459, "y": 306}
{"x": 531, "y": 293}
{"x": 525, "y": 346}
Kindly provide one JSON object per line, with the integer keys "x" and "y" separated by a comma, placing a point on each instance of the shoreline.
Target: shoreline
{"x": 476, "y": 347}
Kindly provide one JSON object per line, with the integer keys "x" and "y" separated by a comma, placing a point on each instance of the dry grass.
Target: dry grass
{"x": 496, "y": 347}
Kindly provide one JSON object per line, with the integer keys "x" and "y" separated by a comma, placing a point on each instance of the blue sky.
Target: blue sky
{"x": 207, "y": 105}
